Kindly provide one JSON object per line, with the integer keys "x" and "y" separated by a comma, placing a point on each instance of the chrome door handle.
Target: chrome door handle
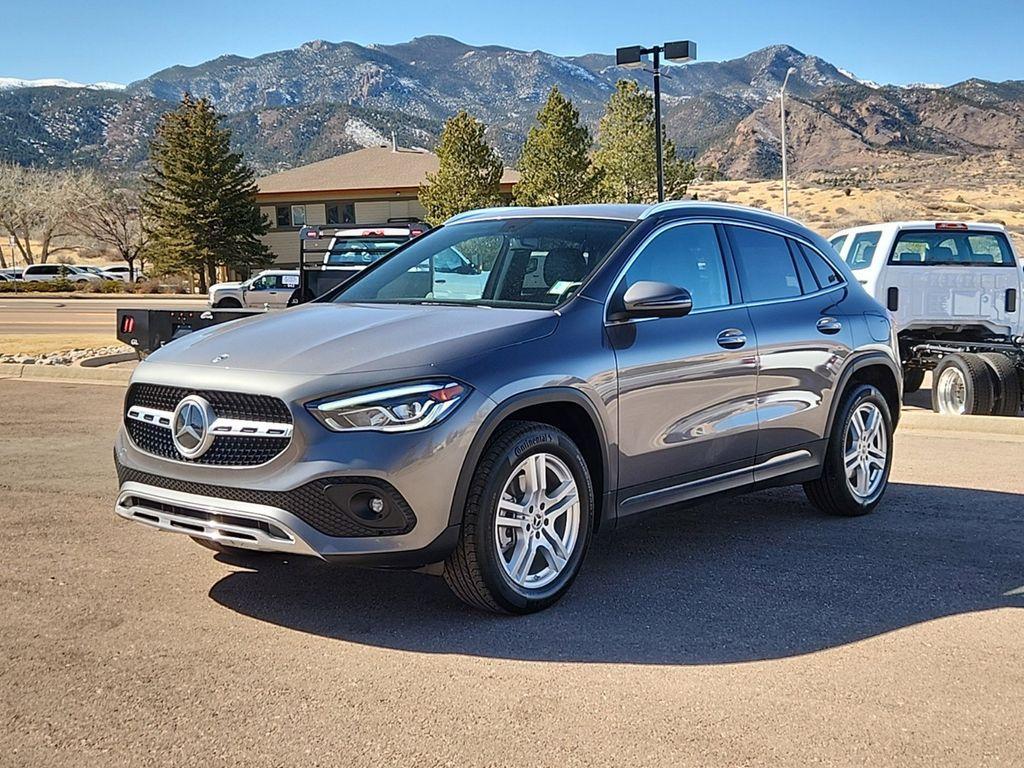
{"x": 829, "y": 325}
{"x": 731, "y": 338}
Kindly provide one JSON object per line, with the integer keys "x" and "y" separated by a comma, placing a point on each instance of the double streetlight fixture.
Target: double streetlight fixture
{"x": 634, "y": 56}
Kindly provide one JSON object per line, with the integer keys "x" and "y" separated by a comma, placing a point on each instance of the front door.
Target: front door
{"x": 687, "y": 385}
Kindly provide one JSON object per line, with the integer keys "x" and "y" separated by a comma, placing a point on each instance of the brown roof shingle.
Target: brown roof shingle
{"x": 370, "y": 168}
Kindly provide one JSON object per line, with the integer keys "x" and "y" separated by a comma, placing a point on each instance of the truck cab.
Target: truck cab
{"x": 945, "y": 275}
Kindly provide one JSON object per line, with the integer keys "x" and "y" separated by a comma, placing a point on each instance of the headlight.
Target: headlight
{"x": 395, "y": 409}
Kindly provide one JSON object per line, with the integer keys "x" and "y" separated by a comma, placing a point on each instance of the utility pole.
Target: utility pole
{"x": 633, "y": 56}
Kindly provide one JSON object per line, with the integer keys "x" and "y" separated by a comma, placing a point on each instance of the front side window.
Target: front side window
{"x": 686, "y": 256}
{"x": 938, "y": 248}
{"x": 837, "y": 242}
{"x": 514, "y": 262}
{"x": 861, "y": 252}
{"x": 764, "y": 263}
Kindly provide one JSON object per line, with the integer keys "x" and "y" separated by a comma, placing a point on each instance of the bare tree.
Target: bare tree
{"x": 37, "y": 207}
{"x": 113, "y": 219}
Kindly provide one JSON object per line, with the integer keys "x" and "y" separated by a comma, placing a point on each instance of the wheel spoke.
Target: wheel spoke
{"x": 554, "y": 551}
{"x": 511, "y": 515}
{"x": 536, "y": 470}
{"x": 561, "y": 498}
{"x": 851, "y": 459}
{"x": 522, "y": 558}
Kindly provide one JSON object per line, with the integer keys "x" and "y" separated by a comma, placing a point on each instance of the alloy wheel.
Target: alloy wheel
{"x": 865, "y": 450}
{"x": 537, "y": 523}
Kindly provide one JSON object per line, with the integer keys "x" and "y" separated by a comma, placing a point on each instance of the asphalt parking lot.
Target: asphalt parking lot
{"x": 747, "y": 632}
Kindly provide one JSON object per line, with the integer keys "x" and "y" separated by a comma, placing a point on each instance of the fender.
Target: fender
{"x": 860, "y": 361}
{"x": 518, "y": 402}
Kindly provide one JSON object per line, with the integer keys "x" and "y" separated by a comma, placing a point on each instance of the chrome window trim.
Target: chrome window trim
{"x": 724, "y": 221}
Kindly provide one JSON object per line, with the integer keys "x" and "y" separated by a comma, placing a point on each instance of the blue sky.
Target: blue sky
{"x": 896, "y": 41}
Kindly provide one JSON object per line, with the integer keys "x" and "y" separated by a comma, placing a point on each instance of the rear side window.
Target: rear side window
{"x": 687, "y": 257}
{"x": 824, "y": 272}
{"x": 765, "y": 265}
{"x": 939, "y": 248}
{"x": 862, "y": 249}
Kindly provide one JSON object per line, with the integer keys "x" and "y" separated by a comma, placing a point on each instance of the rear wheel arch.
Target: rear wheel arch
{"x": 566, "y": 408}
{"x": 873, "y": 368}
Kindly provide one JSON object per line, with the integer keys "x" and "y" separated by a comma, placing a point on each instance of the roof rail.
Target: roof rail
{"x": 477, "y": 211}
{"x": 670, "y": 205}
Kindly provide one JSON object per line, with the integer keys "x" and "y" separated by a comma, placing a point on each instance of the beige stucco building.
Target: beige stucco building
{"x": 368, "y": 186}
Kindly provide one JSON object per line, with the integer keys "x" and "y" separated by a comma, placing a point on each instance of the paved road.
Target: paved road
{"x": 74, "y": 316}
{"x": 748, "y": 632}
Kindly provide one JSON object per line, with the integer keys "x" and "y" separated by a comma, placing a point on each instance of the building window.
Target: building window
{"x": 341, "y": 213}
{"x": 298, "y": 215}
{"x": 283, "y": 216}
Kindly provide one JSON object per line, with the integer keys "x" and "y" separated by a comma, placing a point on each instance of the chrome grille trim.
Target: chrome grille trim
{"x": 220, "y": 426}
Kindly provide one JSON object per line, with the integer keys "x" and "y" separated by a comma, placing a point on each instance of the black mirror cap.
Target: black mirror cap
{"x": 648, "y": 298}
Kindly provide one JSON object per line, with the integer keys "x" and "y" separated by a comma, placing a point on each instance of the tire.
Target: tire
{"x": 1007, "y": 383}
{"x": 481, "y": 570}
{"x": 228, "y": 304}
{"x": 963, "y": 384}
{"x": 912, "y": 380}
{"x": 834, "y": 492}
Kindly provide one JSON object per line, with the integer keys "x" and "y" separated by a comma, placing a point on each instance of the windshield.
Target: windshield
{"x": 360, "y": 251}
{"x": 516, "y": 262}
{"x": 929, "y": 247}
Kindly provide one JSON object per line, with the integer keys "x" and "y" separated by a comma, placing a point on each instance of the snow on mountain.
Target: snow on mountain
{"x": 10, "y": 83}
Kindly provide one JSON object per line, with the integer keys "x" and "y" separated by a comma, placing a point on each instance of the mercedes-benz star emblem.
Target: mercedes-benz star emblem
{"x": 190, "y": 427}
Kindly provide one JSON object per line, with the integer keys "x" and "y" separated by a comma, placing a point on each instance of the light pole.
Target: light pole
{"x": 785, "y": 175}
{"x": 633, "y": 56}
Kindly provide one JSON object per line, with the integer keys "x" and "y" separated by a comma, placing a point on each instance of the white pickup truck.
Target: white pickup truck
{"x": 954, "y": 290}
{"x": 269, "y": 288}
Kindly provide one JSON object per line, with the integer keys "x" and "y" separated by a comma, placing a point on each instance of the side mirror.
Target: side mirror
{"x": 648, "y": 298}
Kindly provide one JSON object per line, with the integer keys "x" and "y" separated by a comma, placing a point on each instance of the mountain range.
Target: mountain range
{"x": 296, "y": 106}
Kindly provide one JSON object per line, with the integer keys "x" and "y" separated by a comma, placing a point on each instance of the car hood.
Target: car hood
{"x": 224, "y": 286}
{"x": 354, "y": 338}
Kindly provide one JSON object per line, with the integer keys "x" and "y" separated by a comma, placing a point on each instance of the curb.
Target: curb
{"x": 927, "y": 421}
{"x": 72, "y": 374}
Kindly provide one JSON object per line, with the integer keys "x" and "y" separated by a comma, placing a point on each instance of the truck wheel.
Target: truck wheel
{"x": 527, "y": 522}
{"x": 912, "y": 380}
{"x": 1007, "y": 383}
{"x": 855, "y": 473}
{"x": 228, "y": 304}
{"x": 963, "y": 385}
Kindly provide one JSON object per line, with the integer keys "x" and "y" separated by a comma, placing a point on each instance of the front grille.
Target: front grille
{"x": 235, "y": 405}
{"x": 307, "y": 502}
{"x": 226, "y": 450}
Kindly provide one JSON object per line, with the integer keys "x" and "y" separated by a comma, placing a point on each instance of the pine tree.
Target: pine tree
{"x": 555, "y": 165}
{"x": 469, "y": 175}
{"x": 200, "y": 201}
{"x": 626, "y": 154}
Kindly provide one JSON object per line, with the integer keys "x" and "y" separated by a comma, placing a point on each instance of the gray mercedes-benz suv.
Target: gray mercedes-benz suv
{"x": 580, "y": 366}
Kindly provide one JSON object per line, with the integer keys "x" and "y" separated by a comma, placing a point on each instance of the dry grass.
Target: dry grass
{"x": 44, "y": 343}
{"x": 828, "y": 208}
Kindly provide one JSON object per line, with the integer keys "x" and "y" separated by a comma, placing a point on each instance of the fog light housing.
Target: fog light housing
{"x": 368, "y": 505}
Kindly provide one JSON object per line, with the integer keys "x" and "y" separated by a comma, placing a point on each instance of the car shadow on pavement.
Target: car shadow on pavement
{"x": 753, "y": 577}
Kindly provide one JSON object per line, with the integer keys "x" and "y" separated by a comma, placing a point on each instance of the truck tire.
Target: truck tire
{"x": 527, "y": 522}
{"x": 228, "y": 303}
{"x": 912, "y": 380}
{"x": 963, "y": 385}
{"x": 855, "y": 472}
{"x": 1007, "y": 382}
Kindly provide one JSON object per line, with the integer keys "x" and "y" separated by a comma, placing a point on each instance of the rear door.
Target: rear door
{"x": 795, "y": 301}
{"x": 952, "y": 277}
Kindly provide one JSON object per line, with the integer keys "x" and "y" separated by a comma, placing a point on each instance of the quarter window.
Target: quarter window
{"x": 765, "y": 265}
{"x": 824, "y": 272}
{"x": 686, "y": 256}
